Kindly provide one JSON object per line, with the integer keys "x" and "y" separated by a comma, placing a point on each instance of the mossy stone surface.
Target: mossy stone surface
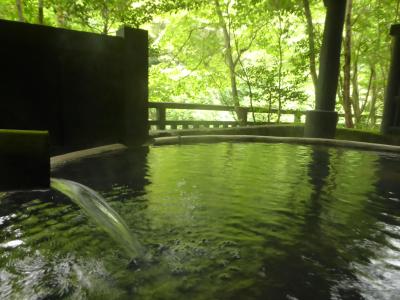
{"x": 367, "y": 136}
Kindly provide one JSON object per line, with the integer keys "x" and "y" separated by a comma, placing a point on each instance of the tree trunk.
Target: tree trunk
{"x": 106, "y": 19}
{"x": 340, "y": 90}
{"x": 374, "y": 96}
{"x": 311, "y": 42}
{"x": 364, "y": 105}
{"x": 40, "y": 12}
{"x": 347, "y": 68}
{"x": 269, "y": 106}
{"x": 249, "y": 88}
{"x": 356, "y": 94}
{"x": 228, "y": 57}
{"x": 60, "y": 17}
{"x": 20, "y": 9}
{"x": 280, "y": 67}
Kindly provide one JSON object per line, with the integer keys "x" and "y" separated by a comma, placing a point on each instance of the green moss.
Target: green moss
{"x": 287, "y": 130}
{"x": 265, "y": 130}
{"x": 368, "y": 136}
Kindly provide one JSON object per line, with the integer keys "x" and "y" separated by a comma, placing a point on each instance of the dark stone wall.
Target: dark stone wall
{"x": 85, "y": 89}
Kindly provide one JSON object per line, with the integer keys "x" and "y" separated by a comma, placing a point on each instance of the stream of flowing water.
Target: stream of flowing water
{"x": 96, "y": 207}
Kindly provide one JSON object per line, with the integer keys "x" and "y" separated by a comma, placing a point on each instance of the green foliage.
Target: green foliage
{"x": 193, "y": 45}
{"x": 8, "y": 10}
{"x": 269, "y": 47}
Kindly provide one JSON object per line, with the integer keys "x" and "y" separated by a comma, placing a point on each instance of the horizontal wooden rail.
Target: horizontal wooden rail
{"x": 211, "y": 107}
{"x": 197, "y": 124}
{"x": 161, "y": 120}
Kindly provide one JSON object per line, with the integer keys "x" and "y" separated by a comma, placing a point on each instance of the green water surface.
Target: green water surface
{"x": 217, "y": 221}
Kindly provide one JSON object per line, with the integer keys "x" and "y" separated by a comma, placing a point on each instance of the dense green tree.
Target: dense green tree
{"x": 311, "y": 42}
{"x": 240, "y": 53}
{"x": 366, "y": 60}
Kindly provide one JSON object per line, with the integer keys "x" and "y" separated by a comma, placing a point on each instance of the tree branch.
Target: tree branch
{"x": 368, "y": 91}
{"x": 239, "y": 52}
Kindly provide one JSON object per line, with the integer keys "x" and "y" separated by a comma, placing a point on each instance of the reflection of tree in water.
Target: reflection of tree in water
{"x": 379, "y": 276}
{"x": 336, "y": 225}
{"x": 301, "y": 270}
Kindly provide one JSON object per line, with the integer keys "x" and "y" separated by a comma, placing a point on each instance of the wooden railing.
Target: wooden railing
{"x": 161, "y": 116}
{"x": 161, "y": 121}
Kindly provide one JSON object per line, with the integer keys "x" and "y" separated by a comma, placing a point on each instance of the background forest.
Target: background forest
{"x": 242, "y": 53}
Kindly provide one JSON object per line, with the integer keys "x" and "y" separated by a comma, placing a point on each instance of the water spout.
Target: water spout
{"x": 99, "y": 211}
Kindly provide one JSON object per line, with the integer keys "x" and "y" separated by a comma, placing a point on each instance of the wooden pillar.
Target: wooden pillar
{"x": 161, "y": 117}
{"x": 391, "y": 109}
{"x": 321, "y": 122}
{"x": 297, "y": 117}
{"x": 135, "y": 84}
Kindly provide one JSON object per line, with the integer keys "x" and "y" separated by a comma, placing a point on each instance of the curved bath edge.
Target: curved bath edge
{"x": 274, "y": 139}
{"x": 60, "y": 160}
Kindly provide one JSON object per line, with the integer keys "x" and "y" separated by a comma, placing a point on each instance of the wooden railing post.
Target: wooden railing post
{"x": 242, "y": 115}
{"x": 297, "y": 116}
{"x": 161, "y": 117}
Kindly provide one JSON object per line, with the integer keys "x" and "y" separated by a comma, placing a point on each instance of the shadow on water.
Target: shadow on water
{"x": 49, "y": 248}
{"x": 299, "y": 271}
{"x": 352, "y": 215}
{"x": 101, "y": 213}
{"x": 379, "y": 278}
{"x": 125, "y": 177}
{"x": 332, "y": 266}
{"x": 122, "y": 174}
{"x": 100, "y": 173}
{"x": 126, "y": 169}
